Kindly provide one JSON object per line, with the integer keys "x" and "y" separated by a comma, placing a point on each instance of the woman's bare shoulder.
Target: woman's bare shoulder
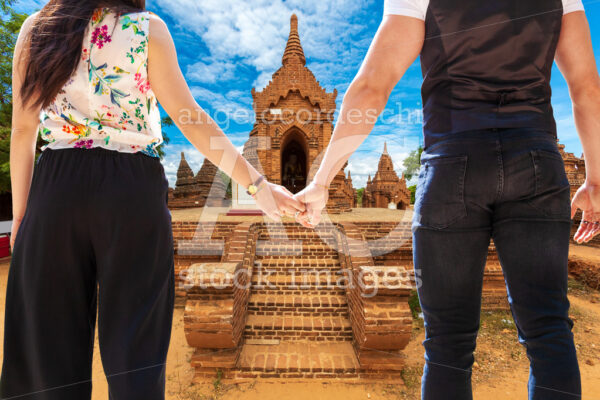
{"x": 28, "y": 24}
{"x": 160, "y": 37}
{"x": 157, "y": 25}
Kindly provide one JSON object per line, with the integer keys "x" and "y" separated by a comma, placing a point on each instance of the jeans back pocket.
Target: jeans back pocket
{"x": 440, "y": 192}
{"x": 552, "y": 188}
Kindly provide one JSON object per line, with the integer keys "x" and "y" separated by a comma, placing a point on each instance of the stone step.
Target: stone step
{"x": 289, "y": 279}
{"x": 294, "y": 267}
{"x": 287, "y": 305}
{"x": 295, "y": 234}
{"x": 298, "y": 328}
{"x": 324, "y": 360}
{"x": 309, "y": 263}
{"x": 296, "y": 257}
{"x": 295, "y": 248}
{"x": 291, "y": 291}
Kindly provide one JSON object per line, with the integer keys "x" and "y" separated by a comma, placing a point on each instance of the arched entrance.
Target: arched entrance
{"x": 294, "y": 165}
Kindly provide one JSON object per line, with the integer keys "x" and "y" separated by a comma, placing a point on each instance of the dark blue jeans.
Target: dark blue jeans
{"x": 508, "y": 185}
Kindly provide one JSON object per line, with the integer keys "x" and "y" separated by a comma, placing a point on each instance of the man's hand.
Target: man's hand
{"x": 276, "y": 201}
{"x": 587, "y": 199}
{"x": 315, "y": 198}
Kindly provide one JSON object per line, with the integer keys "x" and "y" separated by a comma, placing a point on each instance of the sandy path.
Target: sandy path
{"x": 513, "y": 385}
{"x": 509, "y": 382}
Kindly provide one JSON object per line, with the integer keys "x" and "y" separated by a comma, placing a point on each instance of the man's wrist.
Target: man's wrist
{"x": 320, "y": 180}
{"x": 321, "y": 185}
{"x": 592, "y": 181}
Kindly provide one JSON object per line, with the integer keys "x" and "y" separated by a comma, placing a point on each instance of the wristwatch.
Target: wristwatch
{"x": 256, "y": 186}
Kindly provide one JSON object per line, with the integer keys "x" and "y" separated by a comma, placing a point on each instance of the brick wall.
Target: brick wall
{"x": 379, "y": 313}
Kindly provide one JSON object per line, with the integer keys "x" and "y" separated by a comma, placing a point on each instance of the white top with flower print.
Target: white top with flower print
{"x": 108, "y": 101}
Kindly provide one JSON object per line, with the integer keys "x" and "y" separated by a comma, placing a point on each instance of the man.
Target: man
{"x": 490, "y": 170}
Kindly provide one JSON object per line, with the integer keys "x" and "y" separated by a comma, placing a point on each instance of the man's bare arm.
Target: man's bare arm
{"x": 575, "y": 59}
{"x": 397, "y": 44}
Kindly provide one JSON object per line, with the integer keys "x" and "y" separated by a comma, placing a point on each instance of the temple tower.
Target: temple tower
{"x": 207, "y": 188}
{"x": 386, "y": 189}
{"x": 294, "y": 122}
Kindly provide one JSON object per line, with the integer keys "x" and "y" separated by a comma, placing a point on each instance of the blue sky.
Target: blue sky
{"x": 226, "y": 47}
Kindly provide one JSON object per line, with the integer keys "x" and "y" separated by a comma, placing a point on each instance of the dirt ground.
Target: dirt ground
{"x": 501, "y": 368}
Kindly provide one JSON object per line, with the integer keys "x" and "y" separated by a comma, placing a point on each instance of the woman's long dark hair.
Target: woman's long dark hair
{"x": 55, "y": 43}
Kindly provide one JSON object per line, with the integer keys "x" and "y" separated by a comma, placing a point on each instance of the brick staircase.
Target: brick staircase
{"x": 298, "y": 324}
{"x": 283, "y": 303}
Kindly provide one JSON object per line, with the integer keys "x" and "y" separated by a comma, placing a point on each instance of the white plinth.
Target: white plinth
{"x": 241, "y": 200}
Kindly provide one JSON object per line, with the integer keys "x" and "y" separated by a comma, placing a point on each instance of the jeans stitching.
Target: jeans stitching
{"x": 535, "y": 154}
{"x": 500, "y": 172}
{"x": 461, "y": 187}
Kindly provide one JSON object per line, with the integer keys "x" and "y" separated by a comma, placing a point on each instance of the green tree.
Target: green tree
{"x": 167, "y": 122}
{"x": 359, "y": 196}
{"x": 412, "y": 163}
{"x": 10, "y": 24}
{"x": 228, "y": 182}
{"x": 413, "y": 191}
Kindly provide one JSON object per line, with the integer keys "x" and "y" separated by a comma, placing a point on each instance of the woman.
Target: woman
{"x": 93, "y": 213}
{"x": 491, "y": 169}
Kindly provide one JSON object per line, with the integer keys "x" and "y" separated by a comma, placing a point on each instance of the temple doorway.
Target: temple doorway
{"x": 401, "y": 206}
{"x": 293, "y": 164}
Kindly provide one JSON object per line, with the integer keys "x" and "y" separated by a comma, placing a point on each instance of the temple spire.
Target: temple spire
{"x": 385, "y": 148}
{"x": 293, "y": 49}
{"x": 185, "y": 175}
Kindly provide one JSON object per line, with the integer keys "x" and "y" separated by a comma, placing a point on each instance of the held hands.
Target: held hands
{"x": 314, "y": 197}
{"x": 276, "y": 201}
{"x": 587, "y": 199}
{"x": 306, "y": 206}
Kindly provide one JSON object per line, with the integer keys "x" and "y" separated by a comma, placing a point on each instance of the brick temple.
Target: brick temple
{"x": 294, "y": 123}
{"x": 386, "y": 190}
{"x": 206, "y": 188}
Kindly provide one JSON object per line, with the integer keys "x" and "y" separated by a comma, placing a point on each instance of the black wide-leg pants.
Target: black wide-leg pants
{"x": 96, "y": 236}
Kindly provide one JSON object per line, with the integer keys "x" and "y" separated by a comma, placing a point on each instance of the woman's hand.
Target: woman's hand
{"x": 276, "y": 201}
{"x": 587, "y": 199}
{"x": 315, "y": 197}
{"x": 14, "y": 230}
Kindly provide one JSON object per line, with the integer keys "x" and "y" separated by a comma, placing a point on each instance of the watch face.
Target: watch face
{"x": 252, "y": 189}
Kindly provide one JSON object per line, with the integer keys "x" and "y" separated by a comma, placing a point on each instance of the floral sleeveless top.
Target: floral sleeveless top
{"x": 108, "y": 101}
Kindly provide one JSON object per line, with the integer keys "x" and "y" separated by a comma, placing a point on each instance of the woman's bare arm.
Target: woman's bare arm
{"x": 173, "y": 93}
{"x": 25, "y": 120}
{"x": 575, "y": 59}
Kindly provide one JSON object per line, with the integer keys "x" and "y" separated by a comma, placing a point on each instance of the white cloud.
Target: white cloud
{"x": 256, "y": 32}
{"x": 211, "y": 72}
{"x": 227, "y": 108}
